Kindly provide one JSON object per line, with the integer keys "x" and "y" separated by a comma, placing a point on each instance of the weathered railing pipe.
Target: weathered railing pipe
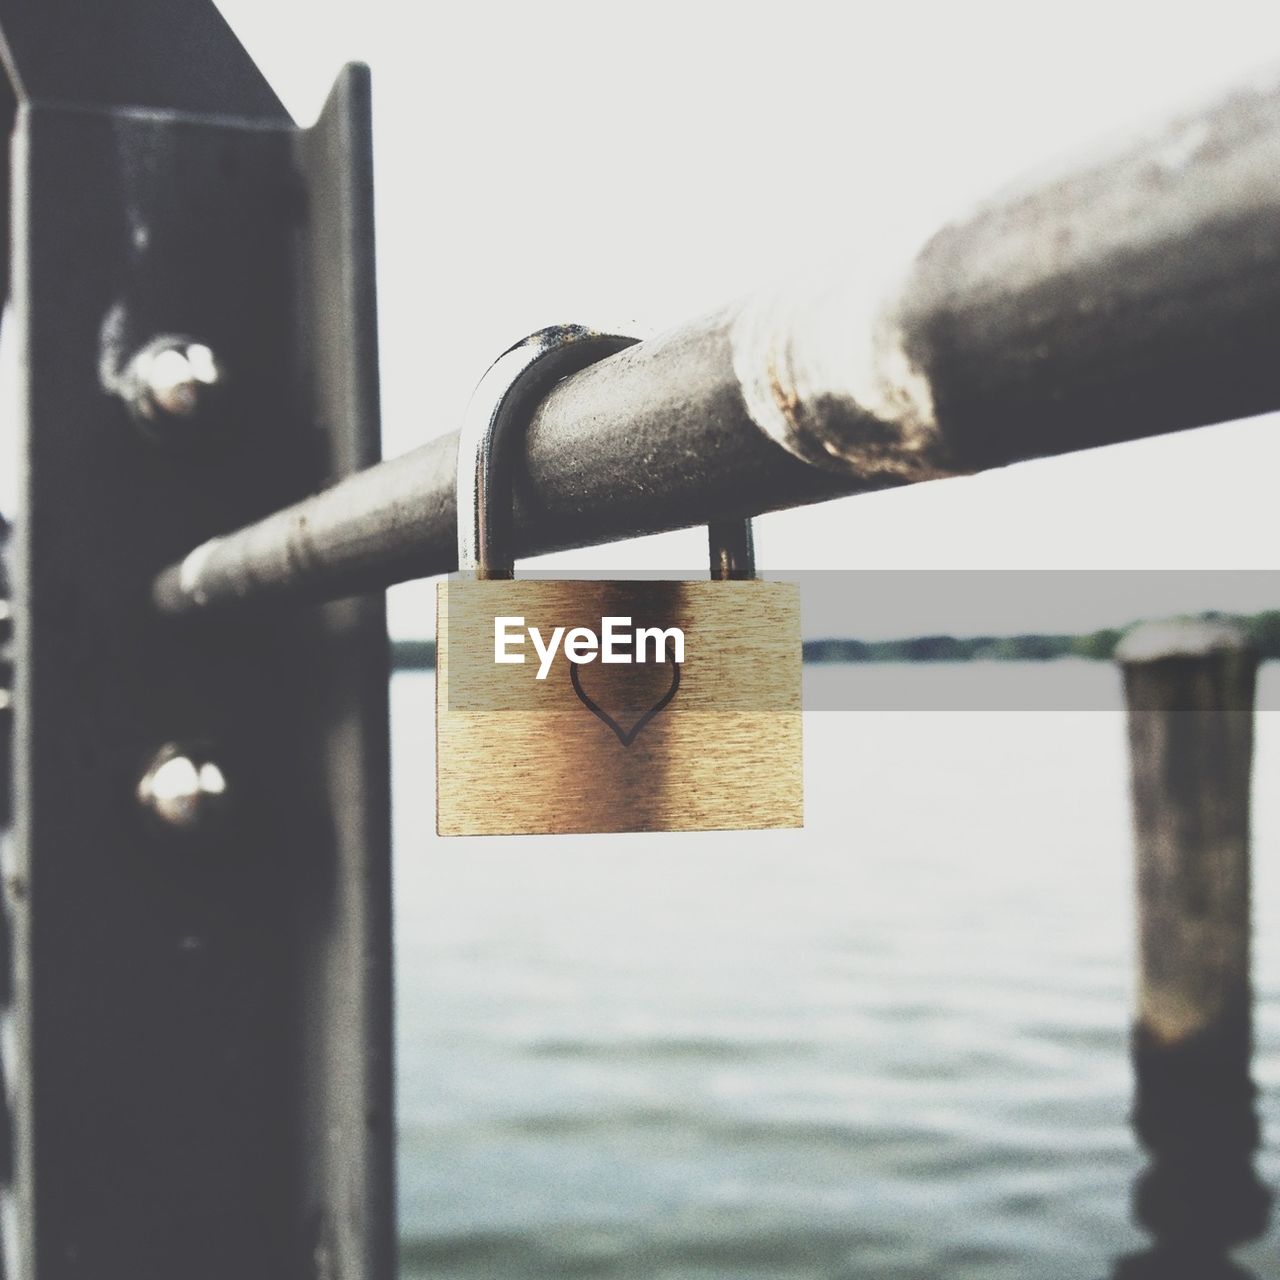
{"x": 1135, "y": 296}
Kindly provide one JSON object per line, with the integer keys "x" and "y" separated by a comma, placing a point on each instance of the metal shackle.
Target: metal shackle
{"x": 497, "y": 416}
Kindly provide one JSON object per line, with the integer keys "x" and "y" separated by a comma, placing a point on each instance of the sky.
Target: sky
{"x": 631, "y": 166}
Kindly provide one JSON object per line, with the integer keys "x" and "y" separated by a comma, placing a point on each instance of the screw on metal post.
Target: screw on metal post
{"x": 172, "y": 387}
{"x": 499, "y": 411}
{"x": 183, "y": 787}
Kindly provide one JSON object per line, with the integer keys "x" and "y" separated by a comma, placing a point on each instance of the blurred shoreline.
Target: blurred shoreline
{"x": 1262, "y": 628}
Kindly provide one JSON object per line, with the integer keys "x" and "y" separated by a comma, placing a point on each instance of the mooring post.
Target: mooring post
{"x": 1189, "y": 691}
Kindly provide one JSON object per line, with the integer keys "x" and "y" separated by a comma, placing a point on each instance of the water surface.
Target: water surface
{"x": 892, "y": 1045}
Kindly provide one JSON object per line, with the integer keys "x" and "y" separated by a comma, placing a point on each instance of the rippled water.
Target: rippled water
{"x": 893, "y": 1045}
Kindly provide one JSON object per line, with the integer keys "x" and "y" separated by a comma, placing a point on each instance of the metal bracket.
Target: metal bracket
{"x": 202, "y": 1064}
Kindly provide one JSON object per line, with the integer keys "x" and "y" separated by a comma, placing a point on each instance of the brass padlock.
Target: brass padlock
{"x": 602, "y": 706}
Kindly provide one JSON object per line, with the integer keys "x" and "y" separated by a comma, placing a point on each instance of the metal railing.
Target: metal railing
{"x": 1131, "y": 297}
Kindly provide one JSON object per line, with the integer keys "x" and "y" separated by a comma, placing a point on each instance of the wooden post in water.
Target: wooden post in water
{"x": 1189, "y": 690}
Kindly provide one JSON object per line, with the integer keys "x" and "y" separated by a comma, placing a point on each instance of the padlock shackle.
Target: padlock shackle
{"x": 496, "y": 417}
{"x": 733, "y": 550}
{"x": 498, "y": 412}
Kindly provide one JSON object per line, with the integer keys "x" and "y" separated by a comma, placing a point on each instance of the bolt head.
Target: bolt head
{"x": 184, "y": 788}
{"x": 171, "y": 382}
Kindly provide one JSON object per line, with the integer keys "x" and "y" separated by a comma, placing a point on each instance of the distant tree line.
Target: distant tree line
{"x": 1263, "y": 629}
{"x": 1021, "y": 648}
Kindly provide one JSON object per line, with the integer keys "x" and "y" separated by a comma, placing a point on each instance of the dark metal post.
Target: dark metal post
{"x": 200, "y": 886}
{"x": 1189, "y": 689}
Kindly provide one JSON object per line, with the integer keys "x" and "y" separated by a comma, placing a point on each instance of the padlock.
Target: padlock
{"x": 603, "y": 706}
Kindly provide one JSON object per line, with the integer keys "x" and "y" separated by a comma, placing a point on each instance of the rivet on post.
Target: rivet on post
{"x": 184, "y": 788}
{"x": 1189, "y": 691}
{"x": 173, "y": 382}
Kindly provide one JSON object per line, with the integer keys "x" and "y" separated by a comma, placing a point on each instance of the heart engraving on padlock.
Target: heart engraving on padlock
{"x": 625, "y": 736}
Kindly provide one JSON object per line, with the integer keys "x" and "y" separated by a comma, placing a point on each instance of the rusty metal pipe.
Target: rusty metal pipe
{"x": 1134, "y": 296}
